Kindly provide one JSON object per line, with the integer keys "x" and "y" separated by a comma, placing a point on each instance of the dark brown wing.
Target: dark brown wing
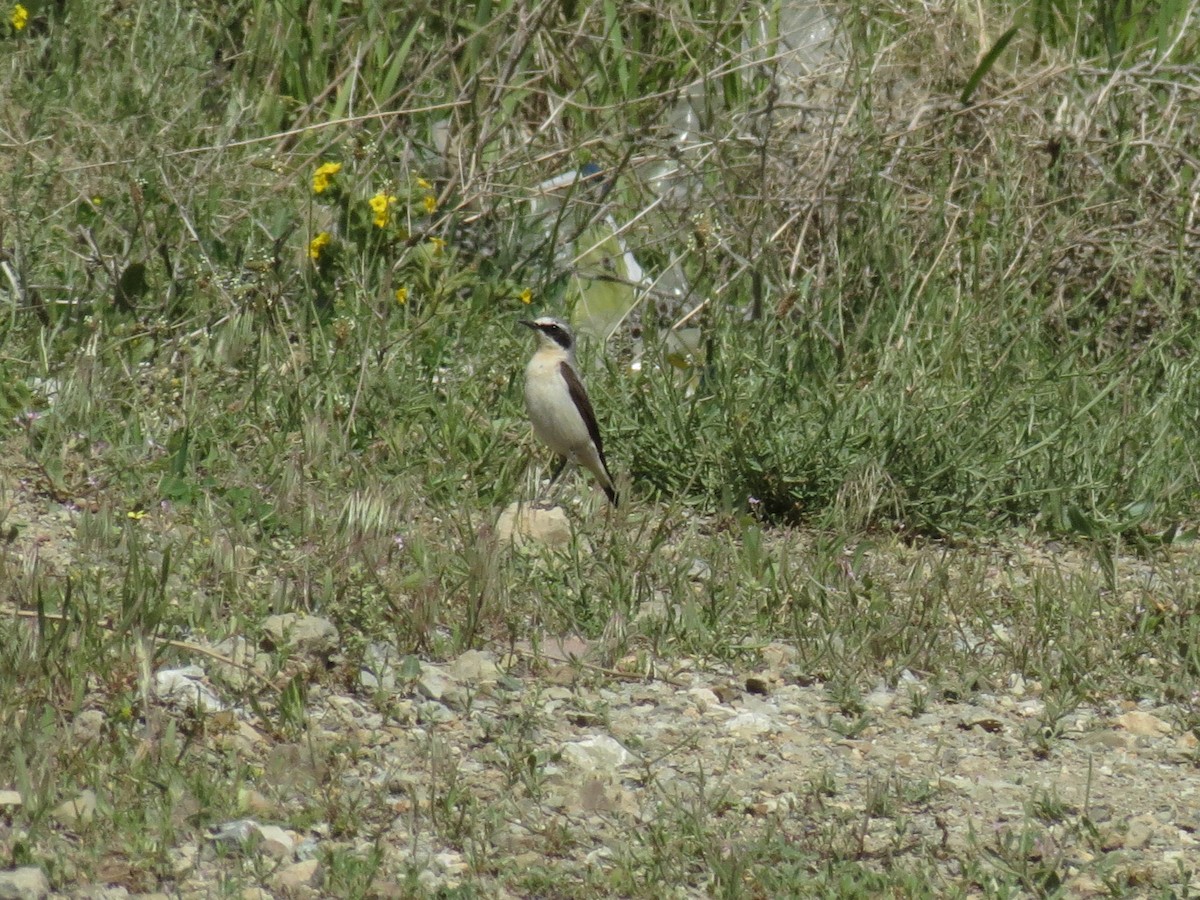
{"x": 584, "y": 405}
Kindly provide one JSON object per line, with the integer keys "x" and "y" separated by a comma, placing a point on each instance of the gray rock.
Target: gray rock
{"x": 292, "y": 878}
{"x": 1107, "y": 740}
{"x": 183, "y": 859}
{"x": 880, "y": 699}
{"x": 257, "y": 803}
{"x": 88, "y": 726}
{"x": 99, "y": 892}
{"x": 1141, "y": 832}
{"x": 475, "y": 667}
{"x": 432, "y": 712}
{"x": 275, "y": 842}
{"x": 248, "y": 661}
{"x": 378, "y": 671}
{"x": 451, "y": 863}
{"x": 234, "y": 835}
{"x": 777, "y": 655}
{"x": 247, "y": 835}
{"x": 307, "y": 849}
{"x": 25, "y": 883}
{"x": 434, "y": 683}
{"x": 79, "y": 811}
{"x": 306, "y": 635}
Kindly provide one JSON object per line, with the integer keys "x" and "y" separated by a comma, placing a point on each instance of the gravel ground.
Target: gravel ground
{"x": 480, "y": 770}
{"x": 590, "y": 759}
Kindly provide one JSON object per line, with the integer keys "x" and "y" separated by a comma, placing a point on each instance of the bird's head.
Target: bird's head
{"x": 552, "y": 333}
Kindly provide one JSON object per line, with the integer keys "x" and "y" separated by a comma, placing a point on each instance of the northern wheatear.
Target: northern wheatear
{"x": 558, "y": 403}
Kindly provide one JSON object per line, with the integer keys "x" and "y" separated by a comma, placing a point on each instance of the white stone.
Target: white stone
{"x": 79, "y": 811}
{"x": 185, "y": 688}
{"x": 25, "y": 883}
{"x": 749, "y": 724}
{"x": 183, "y": 859}
{"x": 235, "y": 834}
{"x": 777, "y": 654}
{"x": 434, "y": 683}
{"x": 475, "y": 667}
{"x": 275, "y": 841}
{"x": 311, "y": 635}
{"x": 378, "y": 672}
{"x": 599, "y": 753}
{"x": 880, "y": 699}
{"x": 245, "y": 658}
{"x": 305, "y": 873}
{"x": 521, "y": 524}
{"x": 433, "y": 712}
{"x": 451, "y": 863}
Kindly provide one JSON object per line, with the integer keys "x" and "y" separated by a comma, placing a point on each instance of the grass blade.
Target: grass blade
{"x": 985, "y": 65}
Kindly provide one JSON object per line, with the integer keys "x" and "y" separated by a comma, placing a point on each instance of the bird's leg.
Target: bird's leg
{"x": 555, "y": 476}
{"x": 549, "y": 493}
{"x": 558, "y": 470}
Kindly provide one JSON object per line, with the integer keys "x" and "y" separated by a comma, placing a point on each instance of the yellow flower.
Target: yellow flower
{"x": 424, "y": 185}
{"x": 526, "y": 296}
{"x": 401, "y": 295}
{"x": 430, "y": 202}
{"x": 439, "y": 244}
{"x": 381, "y": 205}
{"x": 317, "y": 244}
{"x": 136, "y": 514}
{"x": 19, "y": 17}
{"x": 323, "y": 177}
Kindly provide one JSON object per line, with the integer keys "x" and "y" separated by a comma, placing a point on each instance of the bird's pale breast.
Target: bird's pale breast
{"x": 556, "y": 422}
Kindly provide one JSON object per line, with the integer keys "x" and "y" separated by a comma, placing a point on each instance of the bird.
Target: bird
{"x": 558, "y": 403}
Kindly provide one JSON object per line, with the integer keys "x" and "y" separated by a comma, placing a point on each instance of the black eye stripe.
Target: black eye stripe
{"x": 558, "y": 334}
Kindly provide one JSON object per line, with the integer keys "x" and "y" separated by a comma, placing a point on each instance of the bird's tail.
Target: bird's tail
{"x": 598, "y": 465}
{"x": 611, "y": 493}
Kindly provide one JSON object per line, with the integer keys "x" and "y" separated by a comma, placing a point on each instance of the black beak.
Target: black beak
{"x": 528, "y": 323}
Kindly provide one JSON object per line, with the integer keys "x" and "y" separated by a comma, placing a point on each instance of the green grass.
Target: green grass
{"x": 923, "y": 325}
